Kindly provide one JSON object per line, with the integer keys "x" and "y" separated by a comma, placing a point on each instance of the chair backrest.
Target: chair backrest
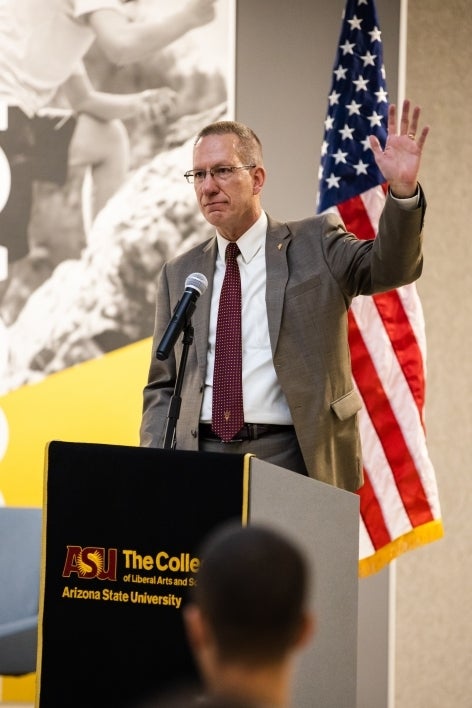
{"x": 20, "y": 562}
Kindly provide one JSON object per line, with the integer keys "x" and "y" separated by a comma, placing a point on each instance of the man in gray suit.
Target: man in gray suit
{"x": 297, "y": 281}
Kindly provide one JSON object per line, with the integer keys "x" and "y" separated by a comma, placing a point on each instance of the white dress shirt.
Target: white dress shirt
{"x": 263, "y": 399}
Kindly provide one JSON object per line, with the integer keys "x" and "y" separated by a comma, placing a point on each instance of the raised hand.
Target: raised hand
{"x": 400, "y": 160}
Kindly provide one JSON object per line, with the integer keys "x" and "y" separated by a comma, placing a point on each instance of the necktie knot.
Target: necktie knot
{"x": 232, "y": 251}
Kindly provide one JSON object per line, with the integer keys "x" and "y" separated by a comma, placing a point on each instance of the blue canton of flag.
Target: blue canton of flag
{"x": 357, "y": 108}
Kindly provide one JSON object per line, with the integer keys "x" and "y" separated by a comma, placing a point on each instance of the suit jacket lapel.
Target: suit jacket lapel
{"x": 204, "y": 263}
{"x": 277, "y": 241}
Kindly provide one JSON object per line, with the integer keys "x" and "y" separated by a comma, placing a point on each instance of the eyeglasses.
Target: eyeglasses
{"x": 219, "y": 174}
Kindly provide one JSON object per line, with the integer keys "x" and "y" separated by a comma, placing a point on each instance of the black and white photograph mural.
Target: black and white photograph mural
{"x": 100, "y": 101}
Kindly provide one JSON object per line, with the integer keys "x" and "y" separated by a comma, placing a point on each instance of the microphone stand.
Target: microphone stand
{"x": 176, "y": 399}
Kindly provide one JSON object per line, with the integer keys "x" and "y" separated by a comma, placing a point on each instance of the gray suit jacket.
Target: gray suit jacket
{"x": 314, "y": 269}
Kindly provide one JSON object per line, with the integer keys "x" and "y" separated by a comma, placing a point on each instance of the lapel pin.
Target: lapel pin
{"x": 279, "y": 246}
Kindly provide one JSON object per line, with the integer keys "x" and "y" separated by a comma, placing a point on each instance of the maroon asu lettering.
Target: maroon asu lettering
{"x": 90, "y": 562}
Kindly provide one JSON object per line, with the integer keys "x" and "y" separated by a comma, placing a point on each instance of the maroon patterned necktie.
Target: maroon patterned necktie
{"x": 228, "y": 412}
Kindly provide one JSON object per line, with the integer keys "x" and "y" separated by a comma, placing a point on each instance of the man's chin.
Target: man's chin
{"x": 214, "y": 216}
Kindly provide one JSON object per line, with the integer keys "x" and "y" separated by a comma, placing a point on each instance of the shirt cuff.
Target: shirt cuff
{"x": 408, "y": 203}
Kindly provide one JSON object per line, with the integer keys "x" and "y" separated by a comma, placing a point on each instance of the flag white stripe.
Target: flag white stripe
{"x": 366, "y": 548}
{"x": 382, "y": 479}
{"x": 411, "y": 302}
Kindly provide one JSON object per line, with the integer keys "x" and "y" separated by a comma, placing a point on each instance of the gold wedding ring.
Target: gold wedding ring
{"x": 411, "y": 136}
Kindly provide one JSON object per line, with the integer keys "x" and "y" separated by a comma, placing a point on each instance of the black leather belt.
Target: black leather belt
{"x": 249, "y": 431}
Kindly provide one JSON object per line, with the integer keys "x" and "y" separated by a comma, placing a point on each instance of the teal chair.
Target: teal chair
{"x": 20, "y": 563}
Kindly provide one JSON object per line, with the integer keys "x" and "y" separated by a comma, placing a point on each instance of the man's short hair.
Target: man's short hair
{"x": 252, "y": 589}
{"x": 249, "y": 145}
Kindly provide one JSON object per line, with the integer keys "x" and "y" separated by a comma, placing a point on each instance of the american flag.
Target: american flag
{"x": 399, "y": 501}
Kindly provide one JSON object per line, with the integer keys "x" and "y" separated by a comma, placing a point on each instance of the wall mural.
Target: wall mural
{"x": 77, "y": 303}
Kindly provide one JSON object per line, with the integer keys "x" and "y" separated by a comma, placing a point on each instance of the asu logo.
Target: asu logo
{"x": 90, "y": 562}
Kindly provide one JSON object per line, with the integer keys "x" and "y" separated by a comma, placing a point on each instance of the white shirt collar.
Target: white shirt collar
{"x": 250, "y": 242}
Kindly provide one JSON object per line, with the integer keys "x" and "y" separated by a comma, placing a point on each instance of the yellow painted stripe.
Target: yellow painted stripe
{"x": 246, "y": 479}
{"x": 98, "y": 401}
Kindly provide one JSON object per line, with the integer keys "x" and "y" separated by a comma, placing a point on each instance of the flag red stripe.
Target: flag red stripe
{"x": 353, "y": 214}
{"x": 388, "y": 430}
{"x": 390, "y": 309}
{"x": 404, "y": 343}
{"x": 372, "y": 515}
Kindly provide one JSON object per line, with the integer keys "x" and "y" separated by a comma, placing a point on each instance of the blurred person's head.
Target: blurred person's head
{"x": 248, "y": 612}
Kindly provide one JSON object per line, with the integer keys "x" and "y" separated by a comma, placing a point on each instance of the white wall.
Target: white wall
{"x": 434, "y": 610}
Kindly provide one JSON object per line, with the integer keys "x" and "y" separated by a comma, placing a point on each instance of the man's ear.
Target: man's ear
{"x": 194, "y": 626}
{"x": 258, "y": 179}
{"x": 307, "y": 630}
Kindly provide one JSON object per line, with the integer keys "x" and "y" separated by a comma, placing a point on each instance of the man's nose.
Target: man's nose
{"x": 209, "y": 182}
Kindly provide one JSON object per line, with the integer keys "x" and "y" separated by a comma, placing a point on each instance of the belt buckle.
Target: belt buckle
{"x": 236, "y": 440}
{"x": 246, "y": 427}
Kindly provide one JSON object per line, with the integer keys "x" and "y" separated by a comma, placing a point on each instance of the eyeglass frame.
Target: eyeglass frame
{"x": 190, "y": 175}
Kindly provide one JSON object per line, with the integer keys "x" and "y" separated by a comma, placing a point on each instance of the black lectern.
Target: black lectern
{"x": 121, "y": 529}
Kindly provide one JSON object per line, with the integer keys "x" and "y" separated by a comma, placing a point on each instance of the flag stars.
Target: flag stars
{"x": 357, "y": 109}
{"x": 346, "y": 132}
{"x": 361, "y": 83}
{"x": 334, "y": 98}
{"x": 355, "y": 23}
{"x": 375, "y": 119}
{"x": 340, "y": 72}
{"x": 368, "y": 59}
{"x": 339, "y": 156}
{"x": 347, "y": 47}
{"x": 329, "y": 122}
{"x": 382, "y": 95}
{"x": 361, "y": 168}
{"x": 375, "y": 35}
{"x": 353, "y": 108}
{"x": 333, "y": 181}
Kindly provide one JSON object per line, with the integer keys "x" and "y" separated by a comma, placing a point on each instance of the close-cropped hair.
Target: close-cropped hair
{"x": 249, "y": 145}
{"x": 252, "y": 590}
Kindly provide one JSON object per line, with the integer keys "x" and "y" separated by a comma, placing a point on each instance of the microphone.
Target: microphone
{"x": 195, "y": 285}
